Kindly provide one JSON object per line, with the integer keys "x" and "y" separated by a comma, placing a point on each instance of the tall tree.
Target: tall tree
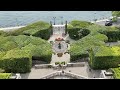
{"x": 116, "y": 13}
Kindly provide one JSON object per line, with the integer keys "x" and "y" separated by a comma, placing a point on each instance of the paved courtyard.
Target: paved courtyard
{"x": 84, "y": 71}
{"x": 65, "y": 57}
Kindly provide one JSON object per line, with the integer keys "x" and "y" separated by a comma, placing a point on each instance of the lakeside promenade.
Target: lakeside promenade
{"x": 11, "y": 28}
{"x": 100, "y": 22}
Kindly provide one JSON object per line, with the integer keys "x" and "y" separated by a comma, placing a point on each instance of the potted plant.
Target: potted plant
{"x": 59, "y": 54}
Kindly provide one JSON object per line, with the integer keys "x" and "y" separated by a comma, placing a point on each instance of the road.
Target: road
{"x": 102, "y": 22}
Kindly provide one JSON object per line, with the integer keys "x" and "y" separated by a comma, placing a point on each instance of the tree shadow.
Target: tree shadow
{"x": 92, "y": 73}
{"x": 25, "y": 75}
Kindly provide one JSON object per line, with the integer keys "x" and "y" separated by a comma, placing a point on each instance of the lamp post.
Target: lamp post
{"x": 54, "y": 19}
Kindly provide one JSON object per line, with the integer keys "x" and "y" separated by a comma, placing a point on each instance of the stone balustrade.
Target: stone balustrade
{"x": 40, "y": 66}
{"x": 81, "y": 64}
{"x": 63, "y": 73}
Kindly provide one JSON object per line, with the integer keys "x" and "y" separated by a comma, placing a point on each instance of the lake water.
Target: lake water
{"x": 14, "y": 18}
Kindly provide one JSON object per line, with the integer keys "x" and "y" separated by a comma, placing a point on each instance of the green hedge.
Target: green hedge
{"x": 78, "y": 33}
{"x": 113, "y": 33}
{"x": 16, "y": 61}
{"x": 41, "y": 49}
{"x": 78, "y": 29}
{"x": 39, "y": 29}
{"x": 80, "y": 24}
{"x": 80, "y": 48}
{"x": 3, "y": 33}
{"x": 5, "y": 75}
{"x": 103, "y": 57}
{"x": 42, "y": 52}
{"x": 44, "y": 34}
{"x": 116, "y": 72}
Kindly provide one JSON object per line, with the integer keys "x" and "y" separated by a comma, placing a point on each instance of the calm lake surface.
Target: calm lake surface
{"x": 14, "y": 18}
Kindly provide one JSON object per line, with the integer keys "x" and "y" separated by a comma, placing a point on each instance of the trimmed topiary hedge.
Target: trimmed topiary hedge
{"x": 80, "y": 24}
{"x": 78, "y": 33}
{"x": 39, "y": 29}
{"x": 16, "y": 61}
{"x": 104, "y": 57}
{"x": 5, "y": 75}
{"x": 44, "y": 34}
{"x": 41, "y": 49}
{"x": 80, "y": 48}
{"x": 116, "y": 72}
{"x": 113, "y": 33}
{"x": 42, "y": 52}
{"x": 78, "y": 29}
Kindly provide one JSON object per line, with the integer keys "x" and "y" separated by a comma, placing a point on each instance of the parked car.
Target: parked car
{"x": 108, "y": 23}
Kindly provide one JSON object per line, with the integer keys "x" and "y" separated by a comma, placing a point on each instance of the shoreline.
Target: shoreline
{"x": 17, "y": 27}
{"x": 10, "y": 28}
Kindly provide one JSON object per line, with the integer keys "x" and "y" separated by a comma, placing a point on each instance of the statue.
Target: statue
{"x": 59, "y": 46}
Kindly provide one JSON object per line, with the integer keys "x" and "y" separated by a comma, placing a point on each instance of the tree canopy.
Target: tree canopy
{"x": 116, "y": 13}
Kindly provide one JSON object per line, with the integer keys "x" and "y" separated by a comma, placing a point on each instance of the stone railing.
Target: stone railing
{"x": 81, "y": 64}
{"x": 40, "y": 66}
{"x": 63, "y": 73}
{"x": 43, "y": 66}
{"x": 75, "y": 75}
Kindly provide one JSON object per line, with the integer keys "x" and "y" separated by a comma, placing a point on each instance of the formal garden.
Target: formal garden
{"x": 90, "y": 42}
{"x": 20, "y": 47}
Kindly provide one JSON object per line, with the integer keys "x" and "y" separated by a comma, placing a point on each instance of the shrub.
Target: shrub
{"x": 80, "y": 24}
{"x": 104, "y": 57}
{"x": 5, "y": 75}
{"x": 40, "y": 48}
{"x": 114, "y": 19}
{"x": 8, "y": 46}
{"x": 41, "y": 52}
{"x": 113, "y": 33}
{"x": 3, "y": 33}
{"x": 116, "y": 72}
{"x": 57, "y": 63}
{"x": 78, "y": 29}
{"x": 80, "y": 48}
{"x": 38, "y": 29}
{"x": 16, "y": 61}
{"x": 78, "y": 33}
